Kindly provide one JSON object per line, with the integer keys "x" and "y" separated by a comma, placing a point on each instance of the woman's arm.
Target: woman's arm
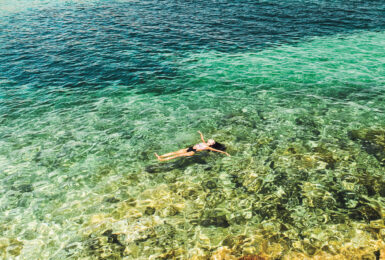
{"x": 219, "y": 151}
{"x": 203, "y": 140}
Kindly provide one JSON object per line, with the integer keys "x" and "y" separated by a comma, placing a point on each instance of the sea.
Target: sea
{"x": 90, "y": 90}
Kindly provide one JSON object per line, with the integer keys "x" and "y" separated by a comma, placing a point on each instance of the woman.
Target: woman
{"x": 211, "y": 145}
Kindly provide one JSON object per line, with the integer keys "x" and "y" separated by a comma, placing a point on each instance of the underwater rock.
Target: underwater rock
{"x": 252, "y": 257}
{"x": 112, "y": 238}
{"x": 316, "y": 196}
{"x": 15, "y": 247}
{"x": 23, "y": 188}
{"x": 163, "y": 200}
{"x": 228, "y": 242}
{"x": 304, "y": 158}
{"x": 171, "y": 210}
{"x": 219, "y": 221}
{"x": 347, "y": 199}
{"x": 72, "y": 249}
{"x": 10, "y": 247}
{"x": 254, "y": 179}
{"x": 326, "y": 156}
{"x": 165, "y": 235}
{"x": 316, "y": 132}
{"x": 365, "y": 212}
{"x": 305, "y": 121}
{"x": 214, "y": 198}
{"x": 371, "y": 135}
{"x": 214, "y": 218}
{"x": 111, "y": 200}
{"x": 372, "y": 141}
{"x": 149, "y": 211}
{"x": 208, "y": 168}
{"x": 308, "y": 125}
{"x": 210, "y": 184}
{"x": 106, "y": 246}
{"x": 372, "y": 183}
{"x": 172, "y": 254}
{"x": 223, "y": 253}
{"x": 131, "y": 202}
{"x": 309, "y": 248}
{"x": 190, "y": 193}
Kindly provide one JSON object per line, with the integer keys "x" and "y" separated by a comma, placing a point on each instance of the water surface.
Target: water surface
{"x": 89, "y": 90}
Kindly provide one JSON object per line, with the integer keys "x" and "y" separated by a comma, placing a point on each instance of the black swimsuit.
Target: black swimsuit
{"x": 191, "y": 149}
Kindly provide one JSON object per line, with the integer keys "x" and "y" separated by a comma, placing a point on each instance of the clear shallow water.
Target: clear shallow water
{"x": 85, "y": 101}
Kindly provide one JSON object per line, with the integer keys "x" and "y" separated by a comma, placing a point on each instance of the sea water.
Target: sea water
{"x": 90, "y": 90}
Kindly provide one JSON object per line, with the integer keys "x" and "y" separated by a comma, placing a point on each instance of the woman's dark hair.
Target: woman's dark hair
{"x": 218, "y": 146}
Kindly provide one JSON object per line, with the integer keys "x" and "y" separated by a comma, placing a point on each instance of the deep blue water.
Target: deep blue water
{"x": 85, "y": 45}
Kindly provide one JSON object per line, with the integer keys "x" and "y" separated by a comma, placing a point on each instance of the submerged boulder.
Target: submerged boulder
{"x": 372, "y": 140}
{"x": 215, "y": 218}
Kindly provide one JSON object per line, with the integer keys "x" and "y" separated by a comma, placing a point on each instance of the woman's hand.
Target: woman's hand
{"x": 203, "y": 140}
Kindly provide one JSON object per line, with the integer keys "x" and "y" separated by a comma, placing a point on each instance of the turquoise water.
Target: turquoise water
{"x": 85, "y": 101}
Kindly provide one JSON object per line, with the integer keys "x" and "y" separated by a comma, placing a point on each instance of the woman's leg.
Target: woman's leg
{"x": 172, "y": 153}
{"x": 175, "y": 156}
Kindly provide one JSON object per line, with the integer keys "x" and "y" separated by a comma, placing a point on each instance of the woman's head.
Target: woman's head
{"x": 210, "y": 142}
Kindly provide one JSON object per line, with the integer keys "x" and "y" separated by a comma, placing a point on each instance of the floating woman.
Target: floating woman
{"x": 211, "y": 145}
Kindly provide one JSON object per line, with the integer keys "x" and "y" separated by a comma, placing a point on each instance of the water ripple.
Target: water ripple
{"x": 62, "y": 43}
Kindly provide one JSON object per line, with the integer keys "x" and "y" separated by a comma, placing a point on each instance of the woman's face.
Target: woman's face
{"x": 210, "y": 142}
